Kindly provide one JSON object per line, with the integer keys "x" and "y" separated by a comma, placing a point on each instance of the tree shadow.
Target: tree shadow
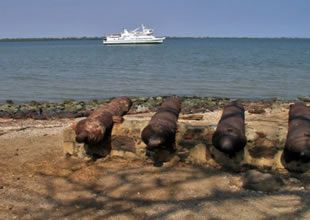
{"x": 134, "y": 189}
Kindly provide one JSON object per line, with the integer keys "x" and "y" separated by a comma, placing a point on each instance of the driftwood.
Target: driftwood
{"x": 98, "y": 126}
{"x": 297, "y": 146}
{"x": 161, "y": 130}
{"x": 229, "y": 136}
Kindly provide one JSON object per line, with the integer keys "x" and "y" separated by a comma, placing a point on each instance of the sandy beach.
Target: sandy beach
{"x": 37, "y": 181}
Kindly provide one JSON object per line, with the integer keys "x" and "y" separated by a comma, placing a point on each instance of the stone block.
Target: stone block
{"x": 74, "y": 149}
{"x": 69, "y": 134}
{"x": 124, "y": 143}
{"x": 198, "y": 154}
{"x": 68, "y": 147}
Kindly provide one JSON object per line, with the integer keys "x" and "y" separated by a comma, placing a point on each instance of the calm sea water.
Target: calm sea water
{"x": 86, "y": 69}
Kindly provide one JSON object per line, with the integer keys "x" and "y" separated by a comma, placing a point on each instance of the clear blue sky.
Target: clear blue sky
{"x": 221, "y": 18}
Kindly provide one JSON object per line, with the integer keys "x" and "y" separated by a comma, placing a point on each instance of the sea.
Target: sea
{"x": 56, "y": 70}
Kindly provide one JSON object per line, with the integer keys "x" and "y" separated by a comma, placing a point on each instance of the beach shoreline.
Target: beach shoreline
{"x": 70, "y": 108}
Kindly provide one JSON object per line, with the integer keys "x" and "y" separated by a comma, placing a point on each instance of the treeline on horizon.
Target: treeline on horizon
{"x": 100, "y": 38}
{"x": 48, "y": 38}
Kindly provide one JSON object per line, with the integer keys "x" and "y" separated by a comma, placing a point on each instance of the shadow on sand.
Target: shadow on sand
{"x": 136, "y": 190}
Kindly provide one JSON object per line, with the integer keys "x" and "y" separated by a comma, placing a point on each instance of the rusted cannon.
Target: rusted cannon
{"x": 161, "y": 130}
{"x": 229, "y": 136}
{"x": 96, "y": 129}
{"x": 297, "y": 146}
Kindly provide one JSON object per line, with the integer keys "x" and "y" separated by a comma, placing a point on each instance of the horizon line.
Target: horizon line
{"x": 100, "y": 37}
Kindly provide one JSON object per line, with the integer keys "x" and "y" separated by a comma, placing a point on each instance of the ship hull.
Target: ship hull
{"x": 135, "y": 41}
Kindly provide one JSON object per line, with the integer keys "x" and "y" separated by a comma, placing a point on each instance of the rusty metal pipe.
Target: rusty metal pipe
{"x": 161, "y": 130}
{"x": 297, "y": 146}
{"x": 229, "y": 136}
{"x": 94, "y": 128}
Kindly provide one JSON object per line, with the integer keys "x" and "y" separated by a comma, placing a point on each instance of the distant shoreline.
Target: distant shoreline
{"x": 169, "y": 37}
{"x": 48, "y": 39}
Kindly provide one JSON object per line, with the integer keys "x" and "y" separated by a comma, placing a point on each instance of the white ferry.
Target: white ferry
{"x": 138, "y": 36}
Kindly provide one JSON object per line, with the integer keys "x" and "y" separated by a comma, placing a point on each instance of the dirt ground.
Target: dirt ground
{"x": 38, "y": 182}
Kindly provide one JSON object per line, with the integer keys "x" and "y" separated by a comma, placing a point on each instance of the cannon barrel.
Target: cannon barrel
{"x": 297, "y": 146}
{"x": 161, "y": 130}
{"x": 94, "y": 128}
{"x": 229, "y": 136}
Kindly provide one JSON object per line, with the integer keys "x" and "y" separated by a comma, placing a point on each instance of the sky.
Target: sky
{"x": 190, "y": 18}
